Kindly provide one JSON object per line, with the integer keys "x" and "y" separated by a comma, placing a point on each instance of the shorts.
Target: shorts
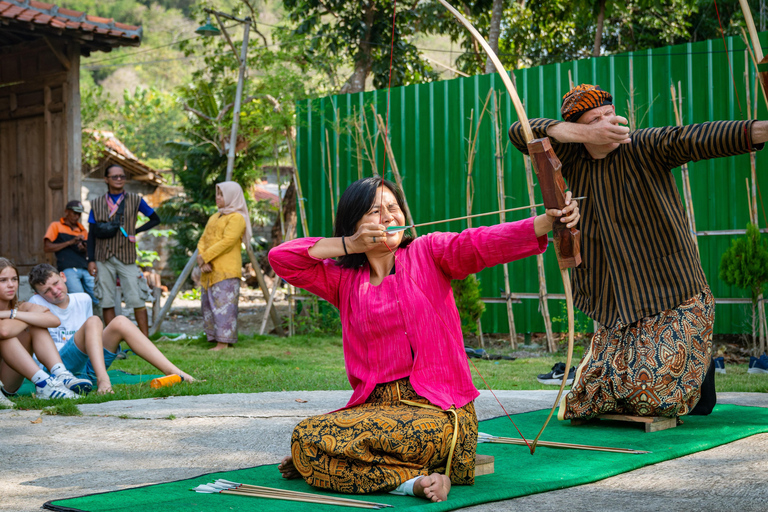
{"x": 130, "y": 277}
{"x": 77, "y": 362}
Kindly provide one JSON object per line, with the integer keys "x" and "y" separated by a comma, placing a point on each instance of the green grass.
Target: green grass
{"x": 265, "y": 363}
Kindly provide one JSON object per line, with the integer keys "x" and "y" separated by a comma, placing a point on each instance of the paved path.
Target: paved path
{"x": 122, "y": 444}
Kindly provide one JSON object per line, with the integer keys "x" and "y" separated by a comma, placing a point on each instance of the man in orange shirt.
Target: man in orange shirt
{"x": 67, "y": 239}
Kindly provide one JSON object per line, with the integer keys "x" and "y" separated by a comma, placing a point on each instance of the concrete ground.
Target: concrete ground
{"x": 122, "y": 444}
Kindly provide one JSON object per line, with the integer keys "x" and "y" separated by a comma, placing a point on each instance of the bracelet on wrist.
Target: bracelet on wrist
{"x": 344, "y": 244}
{"x": 14, "y": 312}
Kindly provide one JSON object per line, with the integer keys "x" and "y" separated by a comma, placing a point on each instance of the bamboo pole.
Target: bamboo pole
{"x": 370, "y": 152}
{"x": 297, "y": 182}
{"x": 329, "y": 177}
{"x": 470, "y": 195}
{"x": 502, "y": 218}
{"x": 264, "y": 289}
{"x": 631, "y": 100}
{"x": 677, "y": 103}
{"x": 543, "y": 302}
{"x": 752, "y": 194}
{"x": 391, "y": 157}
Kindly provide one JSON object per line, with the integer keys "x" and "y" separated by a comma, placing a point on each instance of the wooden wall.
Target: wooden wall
{"x": 40, "y": 86}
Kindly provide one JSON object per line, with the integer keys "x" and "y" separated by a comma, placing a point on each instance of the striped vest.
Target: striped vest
{"x": 118, "y": 246}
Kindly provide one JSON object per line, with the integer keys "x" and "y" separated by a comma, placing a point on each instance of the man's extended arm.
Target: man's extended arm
{"x": 610, "y": 131}
{"x": 759, "y": 132}
{"x": 607, "y": 130}
{"x": 153, "y": 221}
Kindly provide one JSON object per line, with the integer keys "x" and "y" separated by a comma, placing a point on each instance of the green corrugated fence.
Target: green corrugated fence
{"x": 429, "y": 126}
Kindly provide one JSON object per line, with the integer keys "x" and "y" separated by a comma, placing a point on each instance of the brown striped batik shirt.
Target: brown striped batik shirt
{"x": 119, "y": 245}
{"x": 638, "y": 257}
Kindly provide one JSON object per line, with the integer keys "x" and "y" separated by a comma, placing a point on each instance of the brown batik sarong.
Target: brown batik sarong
{"x": 382, "y": 443}
{"x": 653, "y": 367}
{"x": 219, "y": 305}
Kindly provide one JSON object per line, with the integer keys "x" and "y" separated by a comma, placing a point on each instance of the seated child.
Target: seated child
{"x": 85, "y": 344}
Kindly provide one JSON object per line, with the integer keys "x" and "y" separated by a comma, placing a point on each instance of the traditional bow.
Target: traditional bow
{"x": 547, "y": 167}
{"x": 760, "y": 64}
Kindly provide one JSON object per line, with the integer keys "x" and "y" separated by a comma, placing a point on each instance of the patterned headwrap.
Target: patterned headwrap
{"x": 582, "y": 98}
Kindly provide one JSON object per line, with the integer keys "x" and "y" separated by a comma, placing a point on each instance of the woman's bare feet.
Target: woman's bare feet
{"x": 434, "y": 487}
{"x": 221, "y": 346}
{"x": 287, "y": 469}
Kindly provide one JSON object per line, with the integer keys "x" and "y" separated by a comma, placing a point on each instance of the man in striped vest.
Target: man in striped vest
{"x": 640, "y": 277}
{"x": 112, "y": 245}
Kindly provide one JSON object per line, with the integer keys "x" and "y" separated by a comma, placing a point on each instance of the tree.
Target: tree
{"x": 362, "y": 33}
{"x": 466, "y": 293}
{"x": 745, "y": 265}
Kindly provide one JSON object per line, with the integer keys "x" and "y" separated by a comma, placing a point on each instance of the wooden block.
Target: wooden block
{"x": 651, "y": 423}
{"x": 483, "y": 464}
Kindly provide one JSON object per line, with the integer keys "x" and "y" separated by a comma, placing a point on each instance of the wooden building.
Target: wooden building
{"x": 40, "y": 132}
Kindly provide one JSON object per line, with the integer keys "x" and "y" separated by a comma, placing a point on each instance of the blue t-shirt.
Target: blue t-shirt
{"x": 144, "y": 208}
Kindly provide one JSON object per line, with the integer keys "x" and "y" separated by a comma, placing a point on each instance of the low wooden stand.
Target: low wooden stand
{"x": 483, "y": 464}
{"x": 651, "y": 423}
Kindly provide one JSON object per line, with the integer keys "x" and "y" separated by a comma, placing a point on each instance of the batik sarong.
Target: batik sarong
{"x": 219, "y": 304}
{"x": 652, "y": 367}
{"x": 382, "y": 443}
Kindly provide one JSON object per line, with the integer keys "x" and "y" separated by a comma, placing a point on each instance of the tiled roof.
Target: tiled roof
{"x": 119, "y": 153}
{"x": 67, "y": 20}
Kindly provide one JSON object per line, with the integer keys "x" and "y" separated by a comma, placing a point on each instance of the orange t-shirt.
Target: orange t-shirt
{"x": 71, "y": 256}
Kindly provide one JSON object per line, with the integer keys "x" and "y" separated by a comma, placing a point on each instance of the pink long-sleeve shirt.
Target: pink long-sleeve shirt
{"x": 408, "y": 326}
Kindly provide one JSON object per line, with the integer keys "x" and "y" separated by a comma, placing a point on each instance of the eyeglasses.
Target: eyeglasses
{"x": 117, "y": 177}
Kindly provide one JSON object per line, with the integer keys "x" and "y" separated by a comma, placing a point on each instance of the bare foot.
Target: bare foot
{"x": 287, "y": 469}
{"x": 434, "y": 487}
{"x": 221, "y": 346}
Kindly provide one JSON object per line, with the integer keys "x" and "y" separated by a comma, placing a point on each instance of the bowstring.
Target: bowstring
{"x": 397, "y": 260}
{"x": 728, "y": 58}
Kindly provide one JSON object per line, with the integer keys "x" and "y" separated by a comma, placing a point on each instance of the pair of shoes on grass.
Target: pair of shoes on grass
{"x": 758, "y": 364}
{"x": 555, "y": 377}
{"x": 63, "y": 385}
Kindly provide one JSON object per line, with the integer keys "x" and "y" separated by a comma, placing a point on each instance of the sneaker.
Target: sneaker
{"x": 7, "y": 393}
{"x": 76, "y": 384}
{"x": 719, "y": 364}
{"x": 555, "y": 377}
{"x": 5, "y": 402}
{"x": 476, "y": 353}
{"x": 52, "y": 388}
{"x": 758, "y": 365}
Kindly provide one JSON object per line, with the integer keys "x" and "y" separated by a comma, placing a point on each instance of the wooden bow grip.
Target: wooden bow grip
{"x": 548, "y": 171}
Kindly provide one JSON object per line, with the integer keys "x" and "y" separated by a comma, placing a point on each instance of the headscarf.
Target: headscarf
{"x": 234, "y": 201}
{"x": 582, "y": 98}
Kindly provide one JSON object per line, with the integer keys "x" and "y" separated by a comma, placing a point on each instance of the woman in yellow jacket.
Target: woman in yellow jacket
{"x": 220, "y": 264}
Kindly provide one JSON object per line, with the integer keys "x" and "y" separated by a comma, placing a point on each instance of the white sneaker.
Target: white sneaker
{"x": 76, "y": 384}
{"x": 52, "y": 388}
{"x": 5, "y": 402}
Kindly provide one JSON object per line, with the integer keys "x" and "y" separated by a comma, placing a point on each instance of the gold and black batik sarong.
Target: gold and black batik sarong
{"x": 382, "y": 443}
{"x": 652, "y": 367}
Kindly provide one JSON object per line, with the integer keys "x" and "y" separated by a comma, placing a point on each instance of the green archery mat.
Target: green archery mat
{"x": 517, "y": 473}
{"x": 115, "y": 377}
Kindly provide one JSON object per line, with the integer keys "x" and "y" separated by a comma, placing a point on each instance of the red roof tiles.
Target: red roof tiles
{"x": 41, "y": 13}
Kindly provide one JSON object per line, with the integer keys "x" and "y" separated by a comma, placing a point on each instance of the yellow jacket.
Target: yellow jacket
{"x": 220, "y": 246}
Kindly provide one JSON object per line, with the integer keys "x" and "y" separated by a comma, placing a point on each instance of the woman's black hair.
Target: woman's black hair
{"x": 355, "y": 202}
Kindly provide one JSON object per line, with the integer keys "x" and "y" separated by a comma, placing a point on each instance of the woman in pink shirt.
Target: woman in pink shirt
{"x": 410, "y": 426}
